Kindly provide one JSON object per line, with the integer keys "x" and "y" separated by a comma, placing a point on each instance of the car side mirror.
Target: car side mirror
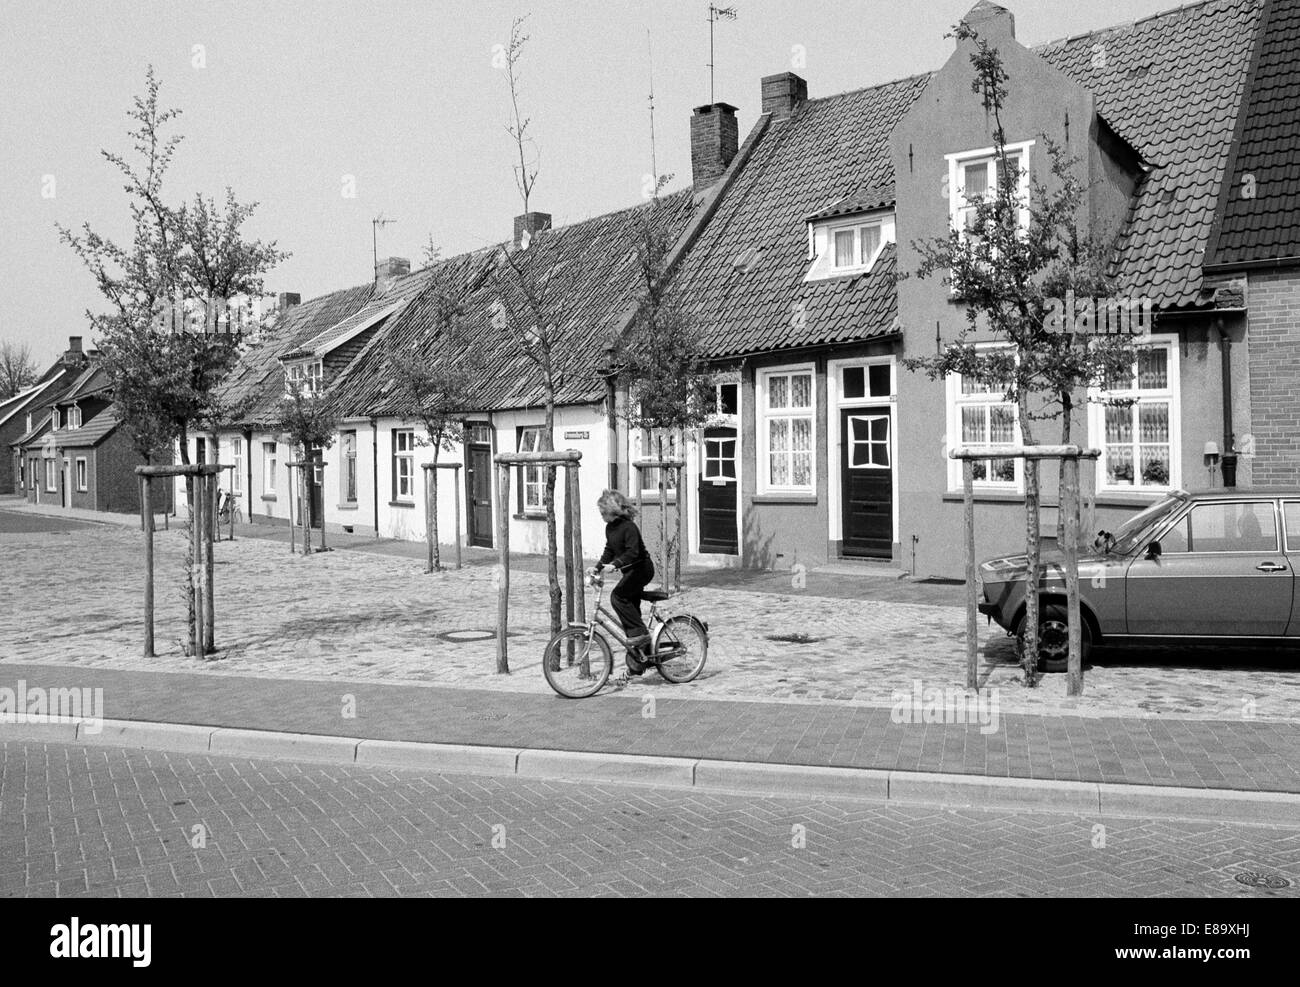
{"x": 1153, "y": 550}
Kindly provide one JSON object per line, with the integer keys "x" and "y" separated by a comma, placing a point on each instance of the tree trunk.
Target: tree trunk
{"x": 209, "y": 603}
{"x": 548, "y": 500}
{"x": 190, "y": 585}
{"x": 435, "y": 555}
{"x": 1033, "y": 554}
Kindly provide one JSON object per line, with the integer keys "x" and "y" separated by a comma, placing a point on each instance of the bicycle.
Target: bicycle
{"x": 578, "y": 661}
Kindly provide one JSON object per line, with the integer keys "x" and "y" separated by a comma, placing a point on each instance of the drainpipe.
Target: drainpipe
{"x": 374, "y": 468}
{"x": 611, "y": 418}
{"x": 248, "y": 469}
{"x": 1229, "y": 460}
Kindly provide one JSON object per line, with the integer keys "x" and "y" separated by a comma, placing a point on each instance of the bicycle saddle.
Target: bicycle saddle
{"x": 654, "y": 595}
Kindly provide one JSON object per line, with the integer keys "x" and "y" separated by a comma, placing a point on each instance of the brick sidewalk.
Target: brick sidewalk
{"x": 1246, "y": 756}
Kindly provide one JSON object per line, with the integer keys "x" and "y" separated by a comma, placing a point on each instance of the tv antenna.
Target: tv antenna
{"x": 654, "y": 167}
{"x": 716, "y": 14}
{"x": 378, "y": 221}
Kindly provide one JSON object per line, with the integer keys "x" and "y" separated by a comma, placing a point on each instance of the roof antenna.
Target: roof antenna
{"x": 375, "y": 223}
{"x": 654, "y": 167}
{"x": 716, "y": 14}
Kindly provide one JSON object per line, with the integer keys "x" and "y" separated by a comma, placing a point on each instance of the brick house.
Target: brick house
{"x": 23, "y": 414}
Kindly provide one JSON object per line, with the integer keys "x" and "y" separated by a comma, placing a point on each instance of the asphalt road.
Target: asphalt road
{"x": 101, "y": 821}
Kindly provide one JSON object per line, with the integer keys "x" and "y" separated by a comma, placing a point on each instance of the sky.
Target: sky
{"x": 403, "y": 104}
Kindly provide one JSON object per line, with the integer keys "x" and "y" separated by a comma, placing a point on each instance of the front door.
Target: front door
{"x": 867, "y": 471}
{"x": 478, "y": 483}
{"x": 719, "y": 490}
{"x": 317, "y": 489}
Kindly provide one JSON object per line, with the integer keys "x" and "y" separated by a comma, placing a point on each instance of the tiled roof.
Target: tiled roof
{"x": 41, "y": 420}
{"x": 1259, "y": 211}
{"x": 1170, "y": 85}
{"x": 259, "y": 375}
{"x": 377, "y": 307}
{"x": 90, "y": 381}
{"x": 876, "y": 198}
{"x": 91, "y": 433}
{"x": 744, "y": 278}
{"x": 592, "y": 274}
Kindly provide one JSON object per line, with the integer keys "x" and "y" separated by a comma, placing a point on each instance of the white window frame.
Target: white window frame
{"x": 955, "y": 402}
{"x": 54, "y": 419}
{"x": 821, "y": 243}
{"x": 237, "y": 458}
{"x": 765, "y": 415}
{"x": 74, "y": 417}
{"x": 51, "y": 475}
{"x": 532, "y": 478}
{"x": 269, "y": 463}
{"x": 646, "y": 446}
{"x": 957, "y": 203}
{"x": 1170, "y": 394}
{"x": 348, "y": 456}
{"x": 83, "y": 475}
{"x": 304, "y": 375}
{"x": 404, "y": 464}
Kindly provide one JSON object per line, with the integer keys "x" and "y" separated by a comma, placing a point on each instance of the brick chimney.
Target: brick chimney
{"x": 287, "y": 299}
{"x": 531, "y": 223}
{"x": 714, "y": 140}
{"x": 388, "y": 268}
{"x": 74, "y": 354}
{"x": 782, "y": 93}
{"x": 990, "y": 21}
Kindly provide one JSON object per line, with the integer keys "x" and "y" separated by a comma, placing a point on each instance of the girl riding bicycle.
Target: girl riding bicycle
{"x": 625, "y": 551}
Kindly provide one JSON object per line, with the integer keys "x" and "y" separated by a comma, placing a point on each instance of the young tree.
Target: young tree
{"x": 525, "y": 171}
{"x": 661, "y": 357}
{"x": 1008, "y": 273}
{"x": 310, "y": 418}
{"x": 164, "y": 377}
{"x": 435, "y": 382}
{"x": 17, "y": 370}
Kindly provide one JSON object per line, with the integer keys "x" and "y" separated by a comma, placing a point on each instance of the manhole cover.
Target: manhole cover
{"x": 793, "y": 638}
{"x": 472, "y": 634}
{"x": 1257, "y": 879}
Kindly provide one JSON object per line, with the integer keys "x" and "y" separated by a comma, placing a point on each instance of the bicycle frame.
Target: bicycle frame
{"x": 608, "y": 622}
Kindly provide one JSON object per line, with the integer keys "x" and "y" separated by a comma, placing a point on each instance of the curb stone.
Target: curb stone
{"x": 734, "y": 777}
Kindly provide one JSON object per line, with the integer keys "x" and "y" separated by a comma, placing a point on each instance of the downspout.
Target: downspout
{"x": 248, "y": 469}
{"x": 374, "y": 468}
{"x": 1229, "y": 458}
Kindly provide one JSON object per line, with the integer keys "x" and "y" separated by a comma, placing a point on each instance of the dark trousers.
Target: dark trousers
{"x": 626, "y": 598}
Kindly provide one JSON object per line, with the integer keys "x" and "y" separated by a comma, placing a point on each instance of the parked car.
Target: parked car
{"x": 1205, "y": 566}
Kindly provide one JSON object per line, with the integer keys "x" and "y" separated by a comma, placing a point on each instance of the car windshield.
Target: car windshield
{"x": 1134, "y": 531}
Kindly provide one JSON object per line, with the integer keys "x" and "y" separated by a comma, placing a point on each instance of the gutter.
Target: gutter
{"x": 1268, "y": 264}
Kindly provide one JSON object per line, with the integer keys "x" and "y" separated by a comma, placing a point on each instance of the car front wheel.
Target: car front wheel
{"x": 1054, "y": 638}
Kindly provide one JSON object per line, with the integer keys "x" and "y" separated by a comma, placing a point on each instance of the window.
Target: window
{"x": 786, "y": 431}
{"x": 868, "y": 441}
{"x": 237, "y": 457}
{"x": 478, "y": 433}
{"x": 870, "y": 382}
{"x": 980, "y": 415}
{"x": 719, "y": 458}
{"x": 972, "y": 177}
{"x": 348, "y": 445}
{"x": 82, "y": 483}
{"x": 54, "y": 420}
{"x": 304, "y": 377}
{"x": 200, "y": 450}
{"x": 856, "y": 246}
{"x": 1224, "y": 527}
{"x": 1138, "y": 437}
{"x": 51, "y": 476}
{"x": 531, "y": 478}
{"x": 403, "y": 464}
{"x": 268, "y": 469}
{"x": 29, "y": 422}
{"x": 651, "y": 442}
{"x": 74, "y": 417}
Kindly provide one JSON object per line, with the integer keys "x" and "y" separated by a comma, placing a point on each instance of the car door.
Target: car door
{"x": 1291, "y": 529}
{"x": 1221, "y": 572}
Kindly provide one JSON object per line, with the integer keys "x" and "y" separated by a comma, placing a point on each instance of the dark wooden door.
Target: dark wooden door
{"x": 867, "y": 471}
{"x": 478, "y": 483}
{"x": 317, "y": 474}
{"x": 719, "y": 500}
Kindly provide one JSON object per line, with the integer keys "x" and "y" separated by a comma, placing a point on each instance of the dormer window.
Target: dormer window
{"x": 303, "y": 377}
{"x": 847, "y": 244}
{"x": 74, "y": 417}
{"x": 29, "y": 421}
{"x": 54, "y": 420}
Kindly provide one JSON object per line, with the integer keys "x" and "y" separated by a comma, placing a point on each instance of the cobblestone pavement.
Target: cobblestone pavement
{"x": 78, "y": 821}
{"x": 357, "y": 615}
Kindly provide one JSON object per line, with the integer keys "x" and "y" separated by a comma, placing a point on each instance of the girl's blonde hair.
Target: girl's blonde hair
{"x": 617, "y": 504}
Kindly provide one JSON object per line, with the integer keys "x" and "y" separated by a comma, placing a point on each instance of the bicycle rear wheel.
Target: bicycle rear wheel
{"x": 577, "y": 662}
{"x": 681, "y": 645}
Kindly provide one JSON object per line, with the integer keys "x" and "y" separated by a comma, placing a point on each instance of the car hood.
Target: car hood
{"x": 1053, "y": 563}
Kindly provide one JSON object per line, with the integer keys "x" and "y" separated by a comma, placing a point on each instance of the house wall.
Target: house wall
{"x": 1274, "y": 361}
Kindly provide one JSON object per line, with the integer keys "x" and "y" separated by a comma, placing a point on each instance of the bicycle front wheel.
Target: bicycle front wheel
{"x": 577, "y": 662}
{"x": 681, "y": 645}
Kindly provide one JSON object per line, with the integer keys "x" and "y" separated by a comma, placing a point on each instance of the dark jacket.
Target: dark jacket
{"x": 623, "y": 545}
